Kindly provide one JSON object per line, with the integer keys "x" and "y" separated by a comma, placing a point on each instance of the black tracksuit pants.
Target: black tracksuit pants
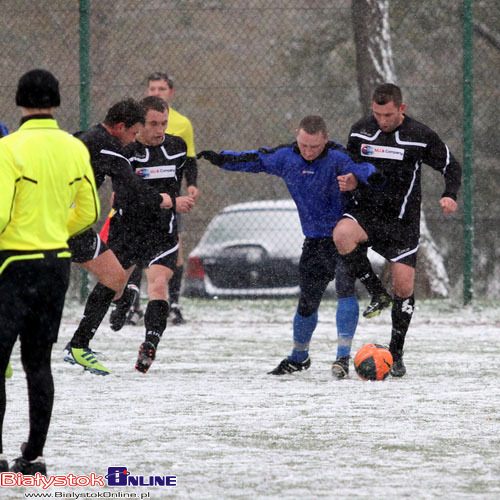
{"x": 32, "y": 292}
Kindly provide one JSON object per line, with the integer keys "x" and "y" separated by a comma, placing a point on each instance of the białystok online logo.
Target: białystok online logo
{"x": 120, "y": 476}
{"x": 116, "y": 476}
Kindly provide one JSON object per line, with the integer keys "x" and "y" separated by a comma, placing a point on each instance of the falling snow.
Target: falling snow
{"x": 207, "y": 412}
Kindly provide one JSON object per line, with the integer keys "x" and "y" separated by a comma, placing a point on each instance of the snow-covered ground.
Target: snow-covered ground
{"x": 208, "y": 414}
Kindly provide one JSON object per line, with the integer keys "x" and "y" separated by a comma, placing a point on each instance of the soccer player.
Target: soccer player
{"x": 314, "y": 170}
{"x": 105, "y": 142}
{"x": 3, "y": 130}
{"x": 161, "y": 85}
{"x": 389, "y": 220}
{"x": 150, "y": 239}
{"x": 45, "y": 171}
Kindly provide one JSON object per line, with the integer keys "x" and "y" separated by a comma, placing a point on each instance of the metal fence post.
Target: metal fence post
{"x": 84, "y": 33}
{"x": 468, "y": 147}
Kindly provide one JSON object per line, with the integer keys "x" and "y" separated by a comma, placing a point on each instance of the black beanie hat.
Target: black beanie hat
{"x": 38, "y": 88}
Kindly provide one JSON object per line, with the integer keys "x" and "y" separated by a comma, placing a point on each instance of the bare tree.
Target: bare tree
{"x": 374, "y": 65}
{"x": 372, "y": 37}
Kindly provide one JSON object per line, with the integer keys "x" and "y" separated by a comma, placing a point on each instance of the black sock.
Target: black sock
{"x": 402, "y": 312}
{"x": 155, "y": 320}
{"x": 174, "y": 285}
{"x": 95, "y": 309}
{"x": 135, "y": 280}
{"x": 359, "y": 264}
{"x": 127, "y": 298}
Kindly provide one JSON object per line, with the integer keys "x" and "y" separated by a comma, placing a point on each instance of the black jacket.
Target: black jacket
{"x": 108, "y": 158}
{"x": 160, "y": 167}
{"x": 399, "y": 155}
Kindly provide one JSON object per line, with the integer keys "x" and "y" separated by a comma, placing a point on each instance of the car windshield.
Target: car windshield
{"x": 255, "y": 224}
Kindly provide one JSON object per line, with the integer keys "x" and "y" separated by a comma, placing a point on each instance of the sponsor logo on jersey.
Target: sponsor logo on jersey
{"x": 142, "y": 172}
{"x": 307, "y": 171}
{"x": 160, "y": 172}
{"x": 382, "y": 152}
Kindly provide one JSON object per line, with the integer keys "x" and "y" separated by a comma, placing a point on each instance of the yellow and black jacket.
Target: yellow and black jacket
{"x": 180, "y": 126}
{"x": 47, "y": 187}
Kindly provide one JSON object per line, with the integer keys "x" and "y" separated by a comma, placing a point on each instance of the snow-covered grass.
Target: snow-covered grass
{"x": 207, "y": 412}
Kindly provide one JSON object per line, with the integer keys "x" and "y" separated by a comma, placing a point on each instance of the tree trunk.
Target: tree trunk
{"x": 372, "y": 37}
{"x": 374, "y": 65}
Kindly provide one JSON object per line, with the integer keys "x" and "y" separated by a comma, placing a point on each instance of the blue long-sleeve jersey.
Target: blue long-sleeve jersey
{"x": 313, "y": 184}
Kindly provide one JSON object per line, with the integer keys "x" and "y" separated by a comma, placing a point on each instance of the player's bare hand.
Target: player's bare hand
{"x": 347, "y": 182}
{"x": 193, "y": 191}
{"x": 167, "y": 201}
{"x": 449, "y": 205}
{"x": 184, "y": 204}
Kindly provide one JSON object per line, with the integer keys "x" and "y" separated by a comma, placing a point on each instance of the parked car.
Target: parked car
{"x": 249, "y": 250}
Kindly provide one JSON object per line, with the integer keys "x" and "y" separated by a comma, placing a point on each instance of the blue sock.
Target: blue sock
{"x": 303, "y": 328}
{"x": 347, "y": 321}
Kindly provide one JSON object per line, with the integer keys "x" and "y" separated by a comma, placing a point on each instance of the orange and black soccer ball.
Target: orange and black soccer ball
{"x": 373, "y": 362}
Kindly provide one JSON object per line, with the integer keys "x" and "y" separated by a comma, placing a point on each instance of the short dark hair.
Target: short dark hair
{"x": 154, "y": 102}
{"x": 158, "y": 75}
{"x": 312, "y": 124}
{"x": 388, "y": 92}
{"x": 128, "y": 112}
{"x": 38, "y": 88}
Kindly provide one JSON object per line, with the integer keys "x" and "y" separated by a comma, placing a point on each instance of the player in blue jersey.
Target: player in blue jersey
{"x": 315, "y": 171}
{"x": 3, "y": 130}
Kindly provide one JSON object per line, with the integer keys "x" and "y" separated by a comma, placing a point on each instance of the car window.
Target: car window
{"x": 268, "y": 225}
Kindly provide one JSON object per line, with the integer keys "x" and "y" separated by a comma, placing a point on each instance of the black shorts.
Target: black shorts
{"x": 318, "y": 261}
{"x": 390, "y": 237}
{"x": 86, "y": 246}
{"x": 144, "y": 249}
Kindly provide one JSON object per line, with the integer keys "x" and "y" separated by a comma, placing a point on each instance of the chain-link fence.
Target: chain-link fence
{"x": 246, "y": 72}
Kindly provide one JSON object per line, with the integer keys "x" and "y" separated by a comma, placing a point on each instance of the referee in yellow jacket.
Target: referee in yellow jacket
{"x": 48, "y": 194}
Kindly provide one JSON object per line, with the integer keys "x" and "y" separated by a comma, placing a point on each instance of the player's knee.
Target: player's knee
{"x": 307, "y": 307}
{"x": 342, "y": 236}
{"x": 36, "y": 362}
{"x": 345, "y": 286}
{"x": 338, "y": 233}
{"x": 403, "y": 290}
{"x": 157, "y": 290}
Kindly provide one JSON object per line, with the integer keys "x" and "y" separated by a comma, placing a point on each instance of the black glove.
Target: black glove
{"x": 377, "y": 179}
{"x": 211, "y": 156}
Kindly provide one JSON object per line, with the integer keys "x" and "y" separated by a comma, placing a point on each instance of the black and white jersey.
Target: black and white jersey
{"x": 160, "y": 167}
{"x": 399, "y": 155}
{"x": 109, "y": 159}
